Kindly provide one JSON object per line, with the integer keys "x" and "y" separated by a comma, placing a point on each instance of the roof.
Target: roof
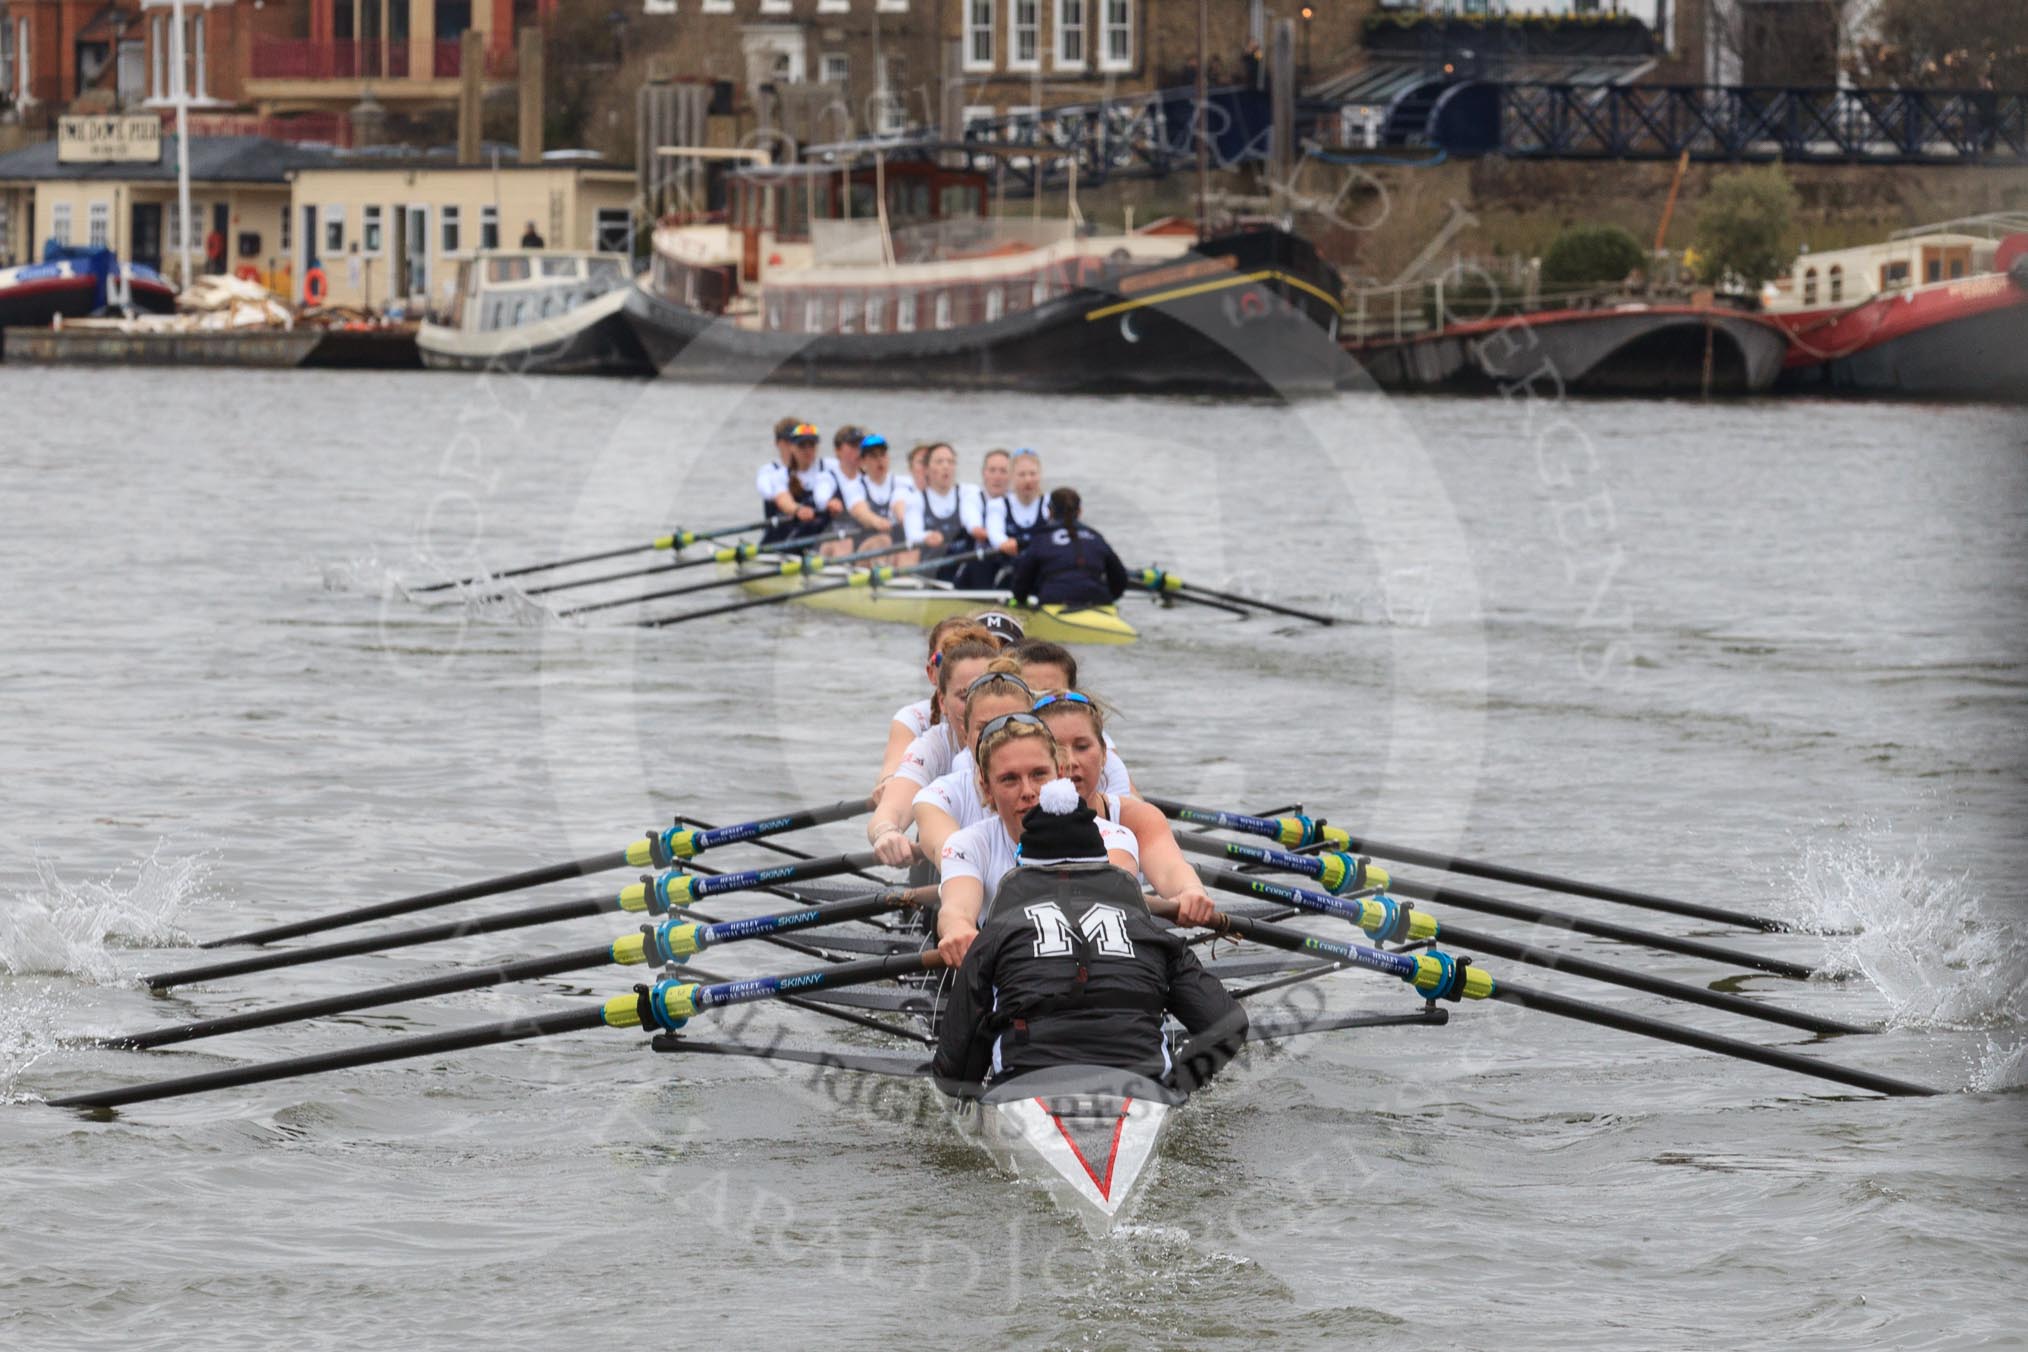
{"x": 213, "y": 159}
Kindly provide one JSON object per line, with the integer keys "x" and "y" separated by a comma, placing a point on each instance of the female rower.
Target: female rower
{"x": 1017, "y": 756}
{"x": 880, "y": 507}
{"x": 961, "y": 661}
{"x": 1050, "y": 666}
{"x": 950, "y": 509}
{"x": 1015, "y": 518}
{"x": 1079, "y": 727}
{"x": 914, "y": 719}
{"x": 1071, "y": 564}
{"x": 931, "y": 758}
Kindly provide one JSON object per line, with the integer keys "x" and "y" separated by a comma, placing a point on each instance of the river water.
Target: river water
{"x": 1763, "y": 654}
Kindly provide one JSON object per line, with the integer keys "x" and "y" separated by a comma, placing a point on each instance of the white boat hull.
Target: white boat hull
{"x": 1086, "y": 1134}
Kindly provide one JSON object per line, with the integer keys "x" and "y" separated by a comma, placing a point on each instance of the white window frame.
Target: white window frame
{"x": 158, "y": 56}
{"x": 716, "y": 7}
{"x": 996, "y": 303}
{"x": 978, "y": 33}
{"x": 848, "y": 313}
{"x": 489, "y": 225}
{"x": 373, "y": 230}
{"x": 777, "y": 6}
{"x": 1016, "y": 30}
{"x": 1079, "y": 27}
{"x": 834, "y": 6}
{"x": 99, "y": 225}
{"x": 60, "y": 222}
{"x": 876, "y": 311}
{"x": 943, "y": 309}
{"x": 841, "y": 61}
{"x": 975, "y": 112}
{"x": 891, "y": 6}
{"x": 1107, "y": 28}
{"x": 331, "y": 218}
{"x": 450, "y": 229}
{"x": 904, "y": 314}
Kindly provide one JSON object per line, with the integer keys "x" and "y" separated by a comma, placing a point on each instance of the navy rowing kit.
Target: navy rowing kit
{"x": 1069, "y": 566}
{"x": 1070, "y": 969}
{"x": 811, "y": 488}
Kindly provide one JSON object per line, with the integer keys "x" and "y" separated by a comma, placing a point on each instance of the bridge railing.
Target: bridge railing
{"x": 1752, "y": 123}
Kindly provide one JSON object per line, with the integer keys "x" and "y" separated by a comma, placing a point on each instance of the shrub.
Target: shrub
{"x": 1591, "y": 255}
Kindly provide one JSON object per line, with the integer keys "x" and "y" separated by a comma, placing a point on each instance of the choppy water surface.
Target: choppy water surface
{"x": 1764, "y": 654}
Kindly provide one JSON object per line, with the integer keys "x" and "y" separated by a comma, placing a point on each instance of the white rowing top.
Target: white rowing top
{"x": 1000, "y": 510}
{"x": 773, "y": 481}
{"x": 985, "y": 851}
{"x": 915, "y": 717}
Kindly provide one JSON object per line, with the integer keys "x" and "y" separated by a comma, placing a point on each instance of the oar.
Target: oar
{"x": 665, "y": 1006}
{"x": 658, "y": 849}
{"x": 866, "y": 577}
{"x": 743, "y": 552}
{"x": 1438, "y": 976}
{"x": 1386, "y": 921}
{"x": 809, "y": 565}
{"x": 1153, "y": 579}
{"x": 1301, "y": 831}
{"x": 1511, "y": 910}
{"x": 673, "y": 540}
{"x": 1168, "y": 584}
{"x": 671, "y": 941}
{"x": 656, "y": 896}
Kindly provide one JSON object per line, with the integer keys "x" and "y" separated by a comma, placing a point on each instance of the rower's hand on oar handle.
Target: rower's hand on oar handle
{"x": 933, "y": 539}
{"x": 957, "y": 942}
{"x": 892, "y": 845}
{"x": 1194, "y": 906}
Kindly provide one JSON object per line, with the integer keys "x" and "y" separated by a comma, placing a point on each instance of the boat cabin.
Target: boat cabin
{"x": 790, "y": 204}
{"x": 1842, "y": 277}
{"x": 506, "y": 288}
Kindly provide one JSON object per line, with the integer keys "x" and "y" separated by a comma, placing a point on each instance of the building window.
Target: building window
{"x": 158, "y": 57}
{"x": 288, "y": 234}
{"x": 891, "y": 6}
{"x": 1810, "y": 287}
{"x": 334, "y": 231}
{"x": 834, "y": 68}
{"x": 489, "y": 227}
{"x": 995, "y": 304}
{"x": 1116, "y": 34}
{"x": 977, "y": 115}
{"x": 833, "y": 6}
{"x": 1024, "y": 34}
{"x": 776, "y": 6}
{"x": 1837, "y": 276}
{"x": 978, "y": 34}
{"x": 59, "y": 222}
{"x": 99, "y": 225}
{"x": 717, "y": 6}
{"x": 610, "y": 228}
{"x": 848, "y": 314}
{"x": 369, "y": 230}
{"x": 904, "y": 314}
{"x": 943, "y": 309}
{"x": 1070, "y": 34}
{"x": 450, "y": 225}
{"x": 876, "y": 307}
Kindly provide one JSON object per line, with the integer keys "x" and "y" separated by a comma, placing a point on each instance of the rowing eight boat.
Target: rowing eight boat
{"x": 921, "y": 602}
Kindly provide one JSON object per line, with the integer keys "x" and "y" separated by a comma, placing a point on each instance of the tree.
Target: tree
{"x": 1744, "y": 226}
{"x": 1945, "y": 44}
{"x": 1591, "y": 255}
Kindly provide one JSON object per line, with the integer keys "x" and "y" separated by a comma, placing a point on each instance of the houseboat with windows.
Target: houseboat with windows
{"x": 1939, "y": 310}
{"x": 891, "y": 271}
{"x": 543, "y": 310}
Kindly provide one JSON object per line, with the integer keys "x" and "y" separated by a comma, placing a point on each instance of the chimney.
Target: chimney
{"x": 531, "y": 95}
{"x": 471, "y": 93}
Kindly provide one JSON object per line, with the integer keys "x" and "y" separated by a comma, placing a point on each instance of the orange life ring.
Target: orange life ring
{"x": 247, "y": 272}
{"x": 316, "y": 286}
{"x": 1252, "y": 303}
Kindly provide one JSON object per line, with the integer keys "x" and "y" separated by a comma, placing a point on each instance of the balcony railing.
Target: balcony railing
{"x": 365, "y": 59}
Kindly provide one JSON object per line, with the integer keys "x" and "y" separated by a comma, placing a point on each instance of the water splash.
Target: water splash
{"x": 367, "y": 574}
{"x": 72, "y": 929}
{"x": 1923, "y": 935}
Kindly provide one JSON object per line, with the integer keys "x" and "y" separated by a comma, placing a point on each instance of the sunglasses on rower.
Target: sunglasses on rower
{"x": 1005, "y": 720}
